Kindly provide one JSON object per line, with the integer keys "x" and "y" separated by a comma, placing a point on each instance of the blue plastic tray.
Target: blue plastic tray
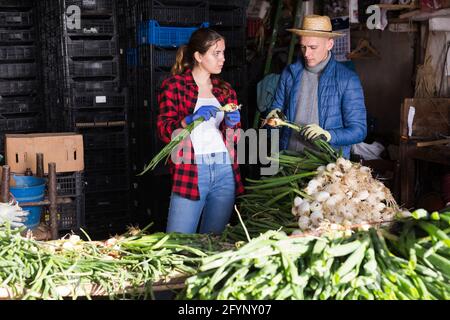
{"x": 150, "y": 32}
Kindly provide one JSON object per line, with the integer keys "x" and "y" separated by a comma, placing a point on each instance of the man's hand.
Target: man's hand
{"x": 207, "y": 112}
{"x": 313, "y": 132}
{"x": 12, "y": 213}
{"x": 232, "y": 118}
{"x": 276, "y": 113}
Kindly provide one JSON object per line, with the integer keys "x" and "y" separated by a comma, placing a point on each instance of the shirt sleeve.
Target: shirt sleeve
{"x": 279, "y": 101}
{"x": 353, "y": 114}
{"x": 168, "y": 118}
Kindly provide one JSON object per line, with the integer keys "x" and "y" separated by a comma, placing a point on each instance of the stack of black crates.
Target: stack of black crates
{"x": 84, "y": 94}
{"x": 21, "y": 109}
{"x": 151, "y": 32}
{"x": 229, "y": 18}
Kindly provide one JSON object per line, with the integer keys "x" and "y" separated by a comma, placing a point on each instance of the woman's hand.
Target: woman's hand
{"x": 207, "y": 112}
{"x": 232, "y": 118}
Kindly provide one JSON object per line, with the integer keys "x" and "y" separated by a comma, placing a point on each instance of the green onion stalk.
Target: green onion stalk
{"x": 167, "y": 150}
{"x": 408, "y": 261}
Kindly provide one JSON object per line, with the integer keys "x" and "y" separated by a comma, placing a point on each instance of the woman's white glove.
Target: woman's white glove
{"x": 13, "y": 213}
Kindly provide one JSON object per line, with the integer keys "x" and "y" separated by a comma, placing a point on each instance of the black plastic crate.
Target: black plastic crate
{"x": 235, "y": 17}
{"x": 196, "y": 13}
{"x": 22, "y": 87}
{"x": 92, "y": 48}
{"x": 234, "y": 38}
{"x": 101, "y": 6}
{"x": 17, "y": 70}
{"x": 105, "y": 139}
{"x": 71, "y": 216}
{"x": 25, "y": 124}
{"x": 16, "y": 36}
{"x": 94, "y": 27}
{"x": 105, "y": 100}
{"x": 16, "y": 19}
{"x": 19, "y": 105}
{"x": 16, "y": 3}
{"x": 70, "y": 184}
{"x": 108, "y": 159}
{"x": 17, "y": 53}
{"x": 83, "y": 119}
{"x": 159, "y": 77}
{"x": 102, "y": 226}
{"x": 228, "y": 3}
{"x": 95, "y": 86}
{"x": 107, "y": 181}
{"x": 93, "y": 68}
{"x": 164, "y": 58}
{"x": 104, "y": 203}
{"x": 237, "y": 77}
{"x": 235, "y": 57}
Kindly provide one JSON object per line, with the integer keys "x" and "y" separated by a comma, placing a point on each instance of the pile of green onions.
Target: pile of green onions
{"x": 268, "y": 202}
{"x": 411, "y": 261}
{"x": 71, "y": 267}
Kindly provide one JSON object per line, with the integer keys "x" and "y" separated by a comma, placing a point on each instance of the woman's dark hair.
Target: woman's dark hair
{"x": 201, "y": 40}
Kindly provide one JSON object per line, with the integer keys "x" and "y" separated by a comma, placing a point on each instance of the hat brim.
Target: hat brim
{"x": 320, "y": 34}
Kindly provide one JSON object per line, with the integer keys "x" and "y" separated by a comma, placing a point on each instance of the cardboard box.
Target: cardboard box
{"x": 65, "y": 149}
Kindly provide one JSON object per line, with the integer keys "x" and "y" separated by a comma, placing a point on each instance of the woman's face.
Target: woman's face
{"x": 212, "y": 61}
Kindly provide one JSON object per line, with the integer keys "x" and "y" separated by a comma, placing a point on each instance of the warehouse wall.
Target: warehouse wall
{"x": 386, "y": 81}
{"x": 437, "y": 47}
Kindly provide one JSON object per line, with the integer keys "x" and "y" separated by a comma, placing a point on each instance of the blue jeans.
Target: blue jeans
{"x": 217, "y": 194}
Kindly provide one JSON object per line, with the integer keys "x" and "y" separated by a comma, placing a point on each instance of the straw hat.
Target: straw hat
{"x": 316, "y": 26}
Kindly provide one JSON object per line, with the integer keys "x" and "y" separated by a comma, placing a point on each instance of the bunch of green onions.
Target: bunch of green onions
{"x": 268, "y": 202}
{"x": 409, "y": 262}
{"x": 167, "y": 150}
{"x": 122, "y": 266}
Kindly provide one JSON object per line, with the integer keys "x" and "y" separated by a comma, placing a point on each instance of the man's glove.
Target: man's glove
{"x": 313, "y": 132}
{"x": 12, "y": 213}
{"x": 207, "y": 112}
{"x": 232, "y": 118}
{"x": 276, "y": 113}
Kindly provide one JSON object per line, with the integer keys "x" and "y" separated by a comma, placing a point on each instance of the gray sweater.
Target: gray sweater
{"x": 308, "y": 107}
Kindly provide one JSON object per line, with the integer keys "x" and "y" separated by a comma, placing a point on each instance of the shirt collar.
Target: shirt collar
{"x": 191, "y": 82}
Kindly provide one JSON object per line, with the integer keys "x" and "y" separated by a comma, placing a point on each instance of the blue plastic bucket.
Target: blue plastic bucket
{"x": 29, "y": 189}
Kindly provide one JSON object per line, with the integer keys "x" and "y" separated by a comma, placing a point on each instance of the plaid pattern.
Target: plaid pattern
{"x": 176, "y": 101}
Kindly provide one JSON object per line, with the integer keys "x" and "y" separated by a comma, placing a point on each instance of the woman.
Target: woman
{"x": 205, "y": 186}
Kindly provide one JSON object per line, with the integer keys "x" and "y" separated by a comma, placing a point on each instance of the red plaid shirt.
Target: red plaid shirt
{"x": 176, "y": 101}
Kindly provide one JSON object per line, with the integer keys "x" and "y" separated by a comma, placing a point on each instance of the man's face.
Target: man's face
{"x": 315, "y": 49}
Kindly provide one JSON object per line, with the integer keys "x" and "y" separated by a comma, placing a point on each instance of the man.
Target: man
{"x": 320, "y": 93}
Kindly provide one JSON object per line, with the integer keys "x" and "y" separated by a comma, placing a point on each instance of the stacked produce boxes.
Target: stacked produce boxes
{"x": 21, "y": 108}
{"x": 84, "y": 94}
{"x": 228, "y": 17}
{"x": 151, "y": 33}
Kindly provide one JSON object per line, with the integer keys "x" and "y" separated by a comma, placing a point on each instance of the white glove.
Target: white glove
{"x": 13, "y": 213}
{"x": 313, "y": 131}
